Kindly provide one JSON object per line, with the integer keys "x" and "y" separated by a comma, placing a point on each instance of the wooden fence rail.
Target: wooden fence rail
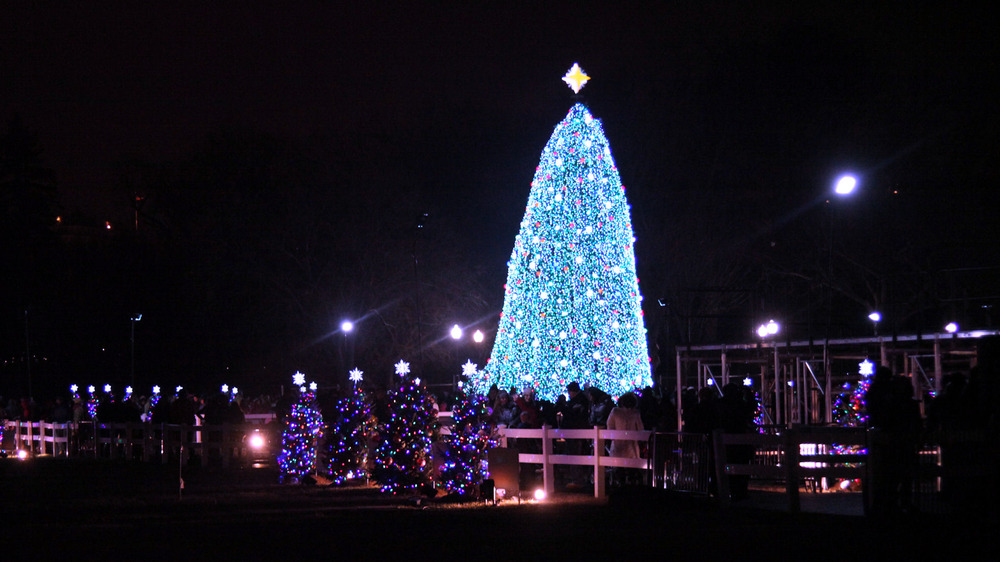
{"x": 794, "y": 463}
{"x": 599, "y": 460}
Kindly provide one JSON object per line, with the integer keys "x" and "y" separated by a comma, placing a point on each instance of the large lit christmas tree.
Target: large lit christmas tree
{"x": 402, "y": 458}
{"x": 347, "y": 439}
{"x": 572, "y": 309}
{"x": 303, "y": 427}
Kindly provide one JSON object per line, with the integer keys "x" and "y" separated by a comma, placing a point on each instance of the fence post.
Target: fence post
{"x": 721, "y": 476}
{"x": 599, "y": 480}
{"x": 791, "y": 444}
{"x": 548, "y": 475}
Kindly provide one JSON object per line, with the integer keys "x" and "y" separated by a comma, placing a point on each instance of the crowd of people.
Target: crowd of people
{"x": 584, "y": 408}
{"x": 578, "y": 408}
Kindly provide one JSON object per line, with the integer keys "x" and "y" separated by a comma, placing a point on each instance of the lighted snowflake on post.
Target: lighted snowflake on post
{"x": 866, "y": 368}
{"x": 298, "y": 379}
{"x": 402, "y": 368}
{"x": 356, "y": 375}
{"x": 469, "y": 368}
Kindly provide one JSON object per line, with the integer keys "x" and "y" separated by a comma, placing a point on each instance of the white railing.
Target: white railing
{"x": 131, "y": 441}
{"x": 599, "y": 460}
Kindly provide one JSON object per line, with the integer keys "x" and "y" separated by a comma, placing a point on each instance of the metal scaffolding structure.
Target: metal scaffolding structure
{"x": 798, "y": 381}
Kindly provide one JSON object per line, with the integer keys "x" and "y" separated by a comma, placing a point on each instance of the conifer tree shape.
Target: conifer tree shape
{"x": 299, "y": 441}
{"x": 467, "y": 446}
{"x": 347, "y": 439}
{"x": 572, "y": 309}
{"x": 402, "y": 458}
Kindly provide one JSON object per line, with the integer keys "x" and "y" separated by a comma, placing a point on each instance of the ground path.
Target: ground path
{"x": 102, "y": 510}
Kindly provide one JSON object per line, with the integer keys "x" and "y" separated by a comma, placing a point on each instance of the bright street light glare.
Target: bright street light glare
{"x": 845, "y": 185}
{"x": 951, "y": 327}
{"x": 347, "y": 325}
{"x": 772, "y": 327}
{"x": 875, "y": 317}
{"x": 456, "y": 332}
{"x": 478, "y": 336}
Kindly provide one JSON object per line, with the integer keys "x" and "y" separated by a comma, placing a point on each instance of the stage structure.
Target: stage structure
{"x": 798, "y": 381}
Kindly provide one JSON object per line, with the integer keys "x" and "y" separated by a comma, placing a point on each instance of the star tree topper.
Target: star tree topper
{"x": 355, "y": 375}
{"x": 576, "y": 78}
{"x": 298, "y": 379}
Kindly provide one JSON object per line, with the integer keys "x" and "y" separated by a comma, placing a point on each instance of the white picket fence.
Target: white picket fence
{"x": 599, "y": 460}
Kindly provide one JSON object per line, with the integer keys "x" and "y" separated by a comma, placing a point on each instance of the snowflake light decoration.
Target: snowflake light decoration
{"x": 356, "y": 375}
{"x": 402, "y": 368}
{"x": 469, "y": 368}
{"x": 866, "y": 368}
{"x": 298, "y": 379}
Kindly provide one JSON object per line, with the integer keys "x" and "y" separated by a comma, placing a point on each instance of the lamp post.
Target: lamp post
{"x": 843, "y": 187}
{"x": 456, "y": 334}
{"x": 135, "y": 318}
{"x": 346, "y": 327}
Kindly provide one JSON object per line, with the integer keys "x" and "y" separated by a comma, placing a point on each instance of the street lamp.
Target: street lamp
{"x": 456, "y": 332}
{"x": 951, "y": 327}
{"x": 347, "y": 327}
{"x": 875, "y": 317}
{"x": 769, "y": 329}
{"x": 845, "y": 185}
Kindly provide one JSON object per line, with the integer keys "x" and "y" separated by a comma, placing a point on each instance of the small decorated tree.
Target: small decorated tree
{"x": 849, "y": 409}
{"x": 347, "y": 439}
{"x": 463, "y": 469}
{"x": 303, "y": 427}
{"x": 402, "y": 458}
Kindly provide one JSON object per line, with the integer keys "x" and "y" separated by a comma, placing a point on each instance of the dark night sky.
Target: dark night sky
{"x": 97, "y": 84}
{"x": 454, "y": 105}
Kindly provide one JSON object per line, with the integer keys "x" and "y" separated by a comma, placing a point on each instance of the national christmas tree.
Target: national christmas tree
{"x": 303, "y": 427}
{"x": 347, "y": 439}
{"x": 402, "y": 459}
{"x": 572, "y": 309}
{"x": 467, "y": 446}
